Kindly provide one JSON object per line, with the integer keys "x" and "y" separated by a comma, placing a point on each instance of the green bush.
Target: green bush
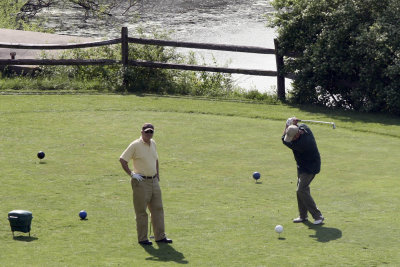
{"x": 140, "y": 79}
{"x": 349, "y": 52}
{"x": 106, "y": 78}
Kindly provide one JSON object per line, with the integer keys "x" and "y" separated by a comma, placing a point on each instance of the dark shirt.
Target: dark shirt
{"x": 305, "y": 151}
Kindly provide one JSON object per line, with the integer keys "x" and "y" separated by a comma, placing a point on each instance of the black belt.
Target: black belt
{"x": 149, "y": 177}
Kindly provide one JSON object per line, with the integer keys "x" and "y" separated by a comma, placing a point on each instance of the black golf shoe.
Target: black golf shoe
{"x": 164, "y": 240}
{"x": 146, "y": 243}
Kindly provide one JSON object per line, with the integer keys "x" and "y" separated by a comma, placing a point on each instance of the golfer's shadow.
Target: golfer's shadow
{"x": 324, "y": 234}
{"x": 165, "y": 253}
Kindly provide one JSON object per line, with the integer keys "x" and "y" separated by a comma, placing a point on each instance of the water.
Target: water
{"x": 236, "y": 22}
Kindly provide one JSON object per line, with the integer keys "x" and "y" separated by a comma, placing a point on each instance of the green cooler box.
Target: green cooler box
{"x": 20, "y": 220}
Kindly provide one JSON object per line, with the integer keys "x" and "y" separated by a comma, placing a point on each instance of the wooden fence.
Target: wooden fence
{"x": 125, "y": 40}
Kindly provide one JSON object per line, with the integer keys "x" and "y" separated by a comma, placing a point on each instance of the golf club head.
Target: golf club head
{"x": 334, "y": 126}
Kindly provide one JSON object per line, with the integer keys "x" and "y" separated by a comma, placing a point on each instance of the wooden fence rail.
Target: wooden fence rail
{"x": 140, "y": 63}
{"x": 59, "y": 47}
{"x": 231, "y": 48}
{"x": 125, "y": 40}
{"x": 58, "y": 62}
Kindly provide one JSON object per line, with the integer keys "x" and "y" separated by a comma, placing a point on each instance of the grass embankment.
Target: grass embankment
{"x": 215, "y": 213}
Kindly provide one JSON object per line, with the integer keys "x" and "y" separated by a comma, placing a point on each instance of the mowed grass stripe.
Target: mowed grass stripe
{"x": 359, "y": 122}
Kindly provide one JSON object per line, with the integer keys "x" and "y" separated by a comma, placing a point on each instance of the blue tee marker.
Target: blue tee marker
{"x": 83, "y": 214}
{"x": 256, "y": 175}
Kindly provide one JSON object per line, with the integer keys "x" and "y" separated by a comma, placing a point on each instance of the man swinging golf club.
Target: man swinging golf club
{"x": 145, "y": 185}
{"x": 301, "y": 141}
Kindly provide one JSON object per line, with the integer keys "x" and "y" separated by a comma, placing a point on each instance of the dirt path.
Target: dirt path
{"x": 26, "y": 37}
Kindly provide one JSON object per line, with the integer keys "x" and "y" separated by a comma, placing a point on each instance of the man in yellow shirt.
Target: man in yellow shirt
{"x": 145, "y": 185}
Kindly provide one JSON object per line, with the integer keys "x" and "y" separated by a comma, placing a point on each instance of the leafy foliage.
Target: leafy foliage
{"x": 22, "y": 14}
{"x": 10, "y": 17}
{"x": 349, "y": 52}
{"x": 163, "y": 81}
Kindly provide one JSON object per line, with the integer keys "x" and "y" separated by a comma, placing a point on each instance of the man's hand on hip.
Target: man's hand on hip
{"x": 136, "y": 176}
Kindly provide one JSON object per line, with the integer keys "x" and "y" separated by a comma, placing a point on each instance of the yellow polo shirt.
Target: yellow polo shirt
{"x": 144, "y": 157}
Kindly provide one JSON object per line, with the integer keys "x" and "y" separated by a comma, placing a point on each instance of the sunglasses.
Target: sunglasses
{"x": 149, "y": 132}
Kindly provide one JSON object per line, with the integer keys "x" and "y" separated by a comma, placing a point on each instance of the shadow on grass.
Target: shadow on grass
{"x": 25, "y": 238}
{"x": 324, "y": 234}
{"x": 165, "y": 253}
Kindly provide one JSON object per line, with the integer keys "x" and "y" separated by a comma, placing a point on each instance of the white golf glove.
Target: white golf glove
{"x": 136, "y": 176}
{"x": 292, "y": 121}
{"x": 289, "y": 121}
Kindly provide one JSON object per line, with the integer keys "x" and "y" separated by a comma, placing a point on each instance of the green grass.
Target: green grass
{"x": 215, "y": 213}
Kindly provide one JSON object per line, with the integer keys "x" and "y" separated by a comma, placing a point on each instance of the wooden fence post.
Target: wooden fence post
{"x": 125, "y": 54}
{"x": 280, "y": 76}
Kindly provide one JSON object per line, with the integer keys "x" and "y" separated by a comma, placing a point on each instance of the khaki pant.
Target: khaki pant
{"x": 304, "y": 199}
{"x": 147, "y": 193}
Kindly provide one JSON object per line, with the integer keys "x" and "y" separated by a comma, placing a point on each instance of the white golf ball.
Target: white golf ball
{"x": 279, "y": 229}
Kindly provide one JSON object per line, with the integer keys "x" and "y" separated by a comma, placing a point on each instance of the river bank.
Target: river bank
{"x": 236, "y": 22}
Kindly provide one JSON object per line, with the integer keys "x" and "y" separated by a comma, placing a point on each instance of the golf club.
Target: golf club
{"x": 324, "y": 122}
{"x": 151, "y": 236}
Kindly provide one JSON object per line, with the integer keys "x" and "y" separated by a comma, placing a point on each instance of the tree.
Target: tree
{"x": 94, "y": 7}
{"x": 349, "y": 52}
{"x": 18, "y": 14}
{"x": 8, "y": 14}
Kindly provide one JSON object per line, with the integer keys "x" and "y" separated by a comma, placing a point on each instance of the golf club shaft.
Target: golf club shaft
{"x": 150, "y": 223}
{"x": 150, "y": 228}
{"x": 324, "y": 122}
